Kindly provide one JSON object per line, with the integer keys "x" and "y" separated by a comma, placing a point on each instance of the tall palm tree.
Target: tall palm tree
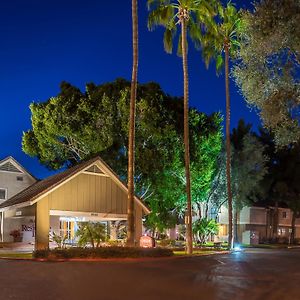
{"x": 187, "y": 14}
{"x": 221, "y": 43}
{"x": 131, "y": 135}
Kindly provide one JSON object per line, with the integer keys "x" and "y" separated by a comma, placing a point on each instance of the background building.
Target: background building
{"x": 259, "y": 224}
{"x": 14, "y": 178}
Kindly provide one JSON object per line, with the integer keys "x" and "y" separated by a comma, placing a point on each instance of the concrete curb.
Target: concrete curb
{"x": 293, "y": 247}
{"x": 273, "y": 248}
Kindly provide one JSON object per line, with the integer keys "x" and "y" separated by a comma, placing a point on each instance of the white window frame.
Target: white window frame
{"x": 5, "y": 189}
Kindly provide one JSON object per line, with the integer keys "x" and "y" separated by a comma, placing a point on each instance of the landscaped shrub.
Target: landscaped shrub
{"x": 92, "y": 233}
{"x": 59, "y": 240}
{"x": 203, "y": 228}
{"x": 102, "y": 252}
{"x": 16, "y": 234}
{"x": 167, "y": 243}
{"x": 113, "y": 243}
{"x": 297, "y": 241}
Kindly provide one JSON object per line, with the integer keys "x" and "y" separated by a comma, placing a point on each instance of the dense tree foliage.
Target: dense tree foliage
{"x": 77, "y": 125}
{"x": 268, "y": 70}
{"x": 203, "y": 228}
{"x": 249, "y": 167}
{"x": 169, "y": 202}
{"x": 281, "y": 185}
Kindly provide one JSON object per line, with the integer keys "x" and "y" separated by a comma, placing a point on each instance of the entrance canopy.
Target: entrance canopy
{"x": 89, "y": 190}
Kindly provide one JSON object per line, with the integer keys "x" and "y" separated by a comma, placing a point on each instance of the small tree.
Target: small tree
{"x": 203, "y": 228}
{"x": 59, "y": 240}
{"x": 91, "y": 233}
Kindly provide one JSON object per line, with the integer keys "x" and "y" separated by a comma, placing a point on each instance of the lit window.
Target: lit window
{"x": 2, "y": 194}
{"x": 19, "y": 178}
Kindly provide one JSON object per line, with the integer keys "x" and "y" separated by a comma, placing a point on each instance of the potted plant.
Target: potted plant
{"x": 16, "y": 234}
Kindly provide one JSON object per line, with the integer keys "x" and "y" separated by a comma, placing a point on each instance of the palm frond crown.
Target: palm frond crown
{"x": 168, "y": 13}
{"x": 224, "y": 34}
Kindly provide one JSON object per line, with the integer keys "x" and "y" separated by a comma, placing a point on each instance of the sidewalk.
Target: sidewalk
{"x": 16, "y": 247}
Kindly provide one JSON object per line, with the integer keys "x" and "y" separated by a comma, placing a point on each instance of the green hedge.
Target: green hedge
{"x": 103, "y": 252}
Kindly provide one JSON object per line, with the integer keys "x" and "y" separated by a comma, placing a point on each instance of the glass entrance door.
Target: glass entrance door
{"x": 67, "y": 229}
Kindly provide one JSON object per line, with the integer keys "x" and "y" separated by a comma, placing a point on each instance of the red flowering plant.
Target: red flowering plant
{"x": 15, "y": 233}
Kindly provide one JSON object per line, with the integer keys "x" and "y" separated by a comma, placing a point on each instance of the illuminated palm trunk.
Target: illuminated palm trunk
{"x": 131, "y": 135}
{"x": 228, "y": 150}
{"x": 188, "y": 217}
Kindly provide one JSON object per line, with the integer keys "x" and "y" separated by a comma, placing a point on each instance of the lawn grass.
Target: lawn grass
{"x": 195, "y": 252}
{"x": 16, "y": 255}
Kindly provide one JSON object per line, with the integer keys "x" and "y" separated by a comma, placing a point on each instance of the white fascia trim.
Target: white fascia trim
{"x": 248, "y": 223}
{"x": 22, "y": 170}
{"x": 257, "y": 207}
{"x": 89, "y": 215}
{"x": 6, "y": 193}
{"x": 95, "y": 174}
{"x": 120, "y": 184}
{"x": 20, "y": 205}
{"x": 15, "y": 164}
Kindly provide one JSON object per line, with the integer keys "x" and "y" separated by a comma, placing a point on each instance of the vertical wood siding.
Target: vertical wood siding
{"x": 89, "y": 193}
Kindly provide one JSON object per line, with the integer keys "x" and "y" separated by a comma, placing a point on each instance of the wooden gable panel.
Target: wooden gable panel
{"x": 89, "y": 193}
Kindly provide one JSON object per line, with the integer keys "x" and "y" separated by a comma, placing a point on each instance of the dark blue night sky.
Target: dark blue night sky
{"x": 46, "y": 42}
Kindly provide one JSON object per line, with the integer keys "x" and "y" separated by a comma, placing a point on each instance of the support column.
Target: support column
{"x": 42, "y": 224}
{"x": 138, "y": 224}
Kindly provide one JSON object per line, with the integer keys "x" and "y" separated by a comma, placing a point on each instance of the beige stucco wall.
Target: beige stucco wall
{"x": 8, "y": 180}
{"x": 285, "y": 221}
{"x": 244, "y": 215}
{"x": 258, "y": 216}
{"x": 24, "y": 224}
{"x": 223, "y": 215}
{"x": 17, "y": 219}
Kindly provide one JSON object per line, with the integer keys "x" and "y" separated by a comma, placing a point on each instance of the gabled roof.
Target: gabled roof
{"x": 39, "y": 189}
{"x": 9, "y": 164}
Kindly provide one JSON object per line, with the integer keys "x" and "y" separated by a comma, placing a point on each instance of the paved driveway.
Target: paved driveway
{"x": 255, "y": 274}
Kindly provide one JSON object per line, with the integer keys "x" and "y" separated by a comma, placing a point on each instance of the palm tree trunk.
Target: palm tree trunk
{"x": 131, "y": 135}
{"x": 188, "y": 218}
{"x": 228, "y": 149}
